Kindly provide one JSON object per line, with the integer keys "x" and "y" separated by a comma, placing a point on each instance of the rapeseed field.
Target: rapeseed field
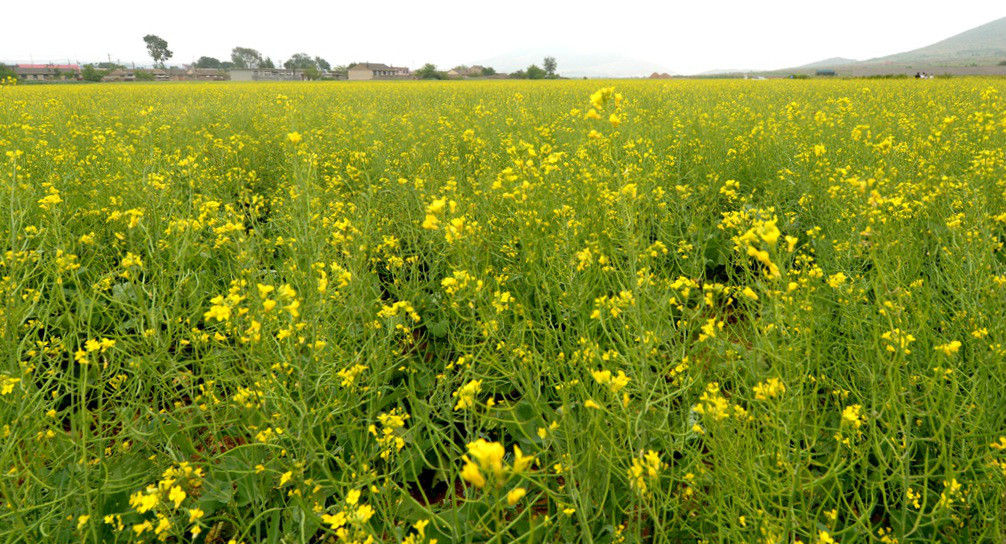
{"x": 566, "y": 311}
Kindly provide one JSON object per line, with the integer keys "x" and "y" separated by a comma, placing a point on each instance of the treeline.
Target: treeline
{"x": 536, "y": 72}
{"x": 430, "y": 71}
{"x": 314, "y": 67}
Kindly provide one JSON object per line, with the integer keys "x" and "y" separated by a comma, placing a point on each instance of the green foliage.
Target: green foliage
{"x": 157, "y": 47}
{"x": 312, "y": 66}
{"x": 531, "y": 72}
{"x": 300, "y": 61}
{"x": 534, "y": 72}
{"x": 245, "y": 57}
{"x": 429, "y": 71}
{"x": 208, "y": 62}
{"x": 488, "y": 71}
{"x": 550, "y": 65}
{"x": 92, "y": 74}
{"x": 144, "y": 75}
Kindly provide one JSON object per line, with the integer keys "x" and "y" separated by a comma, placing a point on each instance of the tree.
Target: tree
{"x": 488, "y": 71}
{"x": 158, "y": 48}
{"x": 267, "y": 63}
{"x": 519, "y": 74}
{"x": 534, "y": 72}
{"x": 246, "y": 57}
{"x": 429, "y": 71}
{"x": 208, "y": 62}
{"x": 550, "y": 66}
{"x": 90, "y": 73}
{"x": 300, "y": 61}
{"x": 6, "y": 72}
{"x": 322, "y": 64}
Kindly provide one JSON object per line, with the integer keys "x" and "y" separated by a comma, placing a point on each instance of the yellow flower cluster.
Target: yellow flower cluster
{"x": 484, "y": 464}
{"x": 644, "y": 471}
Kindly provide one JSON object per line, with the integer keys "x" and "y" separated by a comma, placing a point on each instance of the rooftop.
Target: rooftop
{"x": 371, "y": 66}
{"x": 50, "y": 66}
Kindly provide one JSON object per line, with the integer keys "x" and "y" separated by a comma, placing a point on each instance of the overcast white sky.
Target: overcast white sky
{"x": 686, "y": 37}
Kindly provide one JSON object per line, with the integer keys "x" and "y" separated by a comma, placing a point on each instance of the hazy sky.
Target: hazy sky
{"x": 686, "y": 37}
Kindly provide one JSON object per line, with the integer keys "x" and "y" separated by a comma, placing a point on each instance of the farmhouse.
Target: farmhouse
{"x": 120, "y": 75}
{"x": 47, "y": 72}
{"x": 266, "y": 74}
{"x": 204, "y": 74}
{"x": 370, "y": 70}
{"x": 466, "y": 71}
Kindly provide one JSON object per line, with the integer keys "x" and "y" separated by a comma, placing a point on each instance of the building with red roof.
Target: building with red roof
{"x": 47, "y": 72}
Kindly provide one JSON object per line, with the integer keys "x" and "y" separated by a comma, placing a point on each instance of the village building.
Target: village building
{"x": 466, "y": 71}
{"x": 204, "y": 74}
{"x": 369, "y": 70}
{"x": 145, "y": 74}
{"x": 119, "y": 74}
{"x": 167, "y": 75}
{"x": 47, "y": 72}
{"x": 266, "y": 74}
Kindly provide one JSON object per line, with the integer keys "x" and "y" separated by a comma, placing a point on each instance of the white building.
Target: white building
{"x": 369, "y": 70}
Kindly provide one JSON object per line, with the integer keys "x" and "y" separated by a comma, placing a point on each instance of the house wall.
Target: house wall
{"x": 359, "y": 74}
{"x": 241, "y": 75}
{"x": 282, "y": 75}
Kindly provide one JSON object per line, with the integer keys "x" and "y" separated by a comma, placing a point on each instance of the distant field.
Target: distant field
{"x": 566, "y": 311}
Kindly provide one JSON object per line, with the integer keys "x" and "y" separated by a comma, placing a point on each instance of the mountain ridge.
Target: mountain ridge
{"x": 983, "y": 45}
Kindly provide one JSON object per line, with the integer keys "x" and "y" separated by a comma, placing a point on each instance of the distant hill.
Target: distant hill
{"x": 828, "y": 63}
{"x": 981, "y": 45}
{"x": 574, "y": 63}
{"x": 726, "y": 71}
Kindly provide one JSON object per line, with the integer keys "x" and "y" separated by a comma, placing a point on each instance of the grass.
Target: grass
{"x": 715, "y": 311}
